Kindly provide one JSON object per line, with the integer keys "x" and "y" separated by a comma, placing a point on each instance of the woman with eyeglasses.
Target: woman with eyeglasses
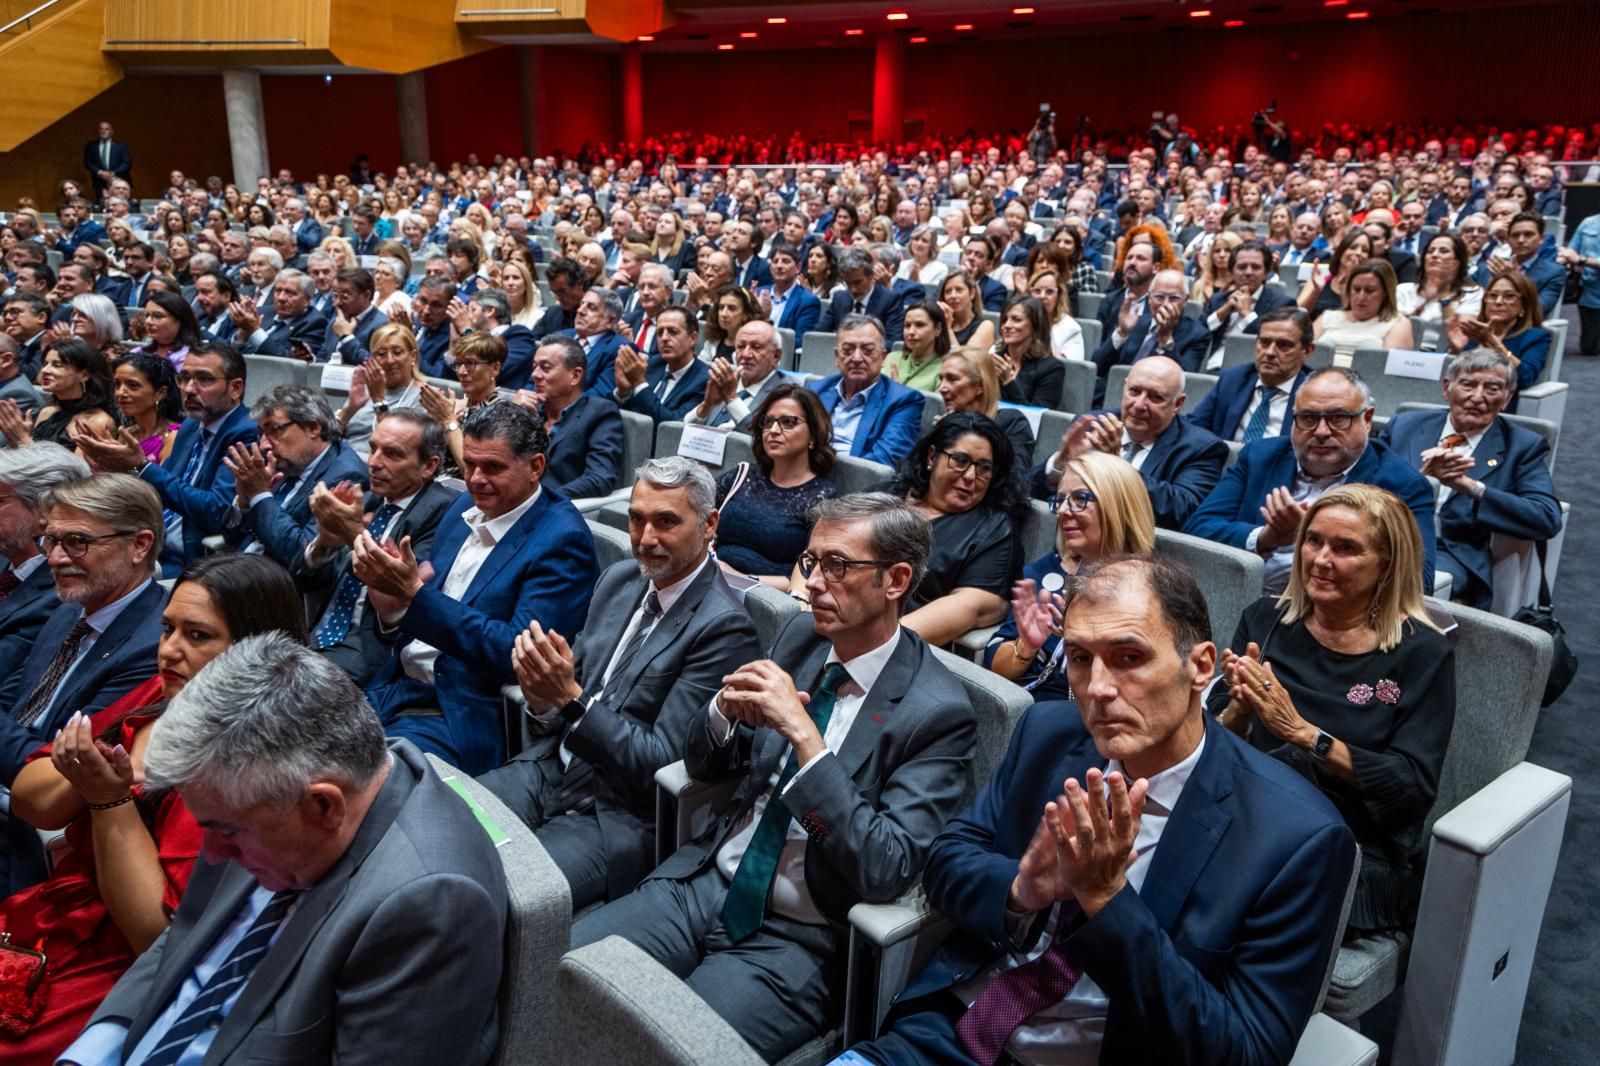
{"x": 479, "y": 357}
{"x": 764, "y": 509}
{"x": 961, "y": 477}
{"x": 1509, "y": 322}
{"x": 1102, "y": 509}
{"x": 171, "y": 326}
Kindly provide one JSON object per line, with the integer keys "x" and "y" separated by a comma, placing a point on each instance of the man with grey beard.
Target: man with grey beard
{"x": 617, "y": 704}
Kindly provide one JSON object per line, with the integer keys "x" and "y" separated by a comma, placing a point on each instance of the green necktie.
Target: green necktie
{"x": 745, "y": 906}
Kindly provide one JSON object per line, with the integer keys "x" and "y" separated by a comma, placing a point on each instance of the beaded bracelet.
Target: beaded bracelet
{"x": 114, "y": 803}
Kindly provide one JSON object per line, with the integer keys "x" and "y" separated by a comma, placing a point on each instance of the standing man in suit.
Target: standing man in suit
{"x": 296, "y": 331}
{"x": 787, "y": 304}
{"x": 1257, "y": 400}
{"x": 196, "y": 486}
{"x": 405, "y": 502}
{"x": 734, "y": 390}
{"x": 862, "y": 295}
{"x": 1163, "y": 329}
{"x": 1179, "y": 462}
{"x": 300, "y": 449}
{"x": 653, "y": 295}
{"x": 1068, "y": 950}
{"x": 619, "y": 703}
{"x": 839, "y": 792}
{"x": 1494, "y": 476}
{"x": 354, "y": 320}
{"x": 749, "y": 269}
{"x": 27, "y": 585}
{"x": 1261, "y": 498}
{"x": 101, "y": 538}
{"x": 312, "y": 884}
{"x": 307, "y": 231}
{"x": 874, "y": 417}
{"x": 669, "y": 388}
{"x": 507, "y": 553}
{"x": 106, "y": 159}
{"x": 1239, "y": 309}
{"x": 584, "y": 455}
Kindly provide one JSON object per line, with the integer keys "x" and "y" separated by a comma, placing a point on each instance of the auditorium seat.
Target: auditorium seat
{"x": 638, "y": 444}
{"x": 1092, "y": 332}
{"x": 1230, "y": 578}
{"x": 1077, "y": 386}
{"x": 816, "y": 354}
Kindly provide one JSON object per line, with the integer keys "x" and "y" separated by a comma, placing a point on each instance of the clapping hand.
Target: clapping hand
{"x": 99, "y": 772}
{"x": 723, "y": 383}
{"x": 545, "y": 669}
{"x": 16, "y": 426}
{"x": 1083, "y": 846}
{"x": 1127, "y": 316}
{"x": 1281, "y": 514}
{"x": 630, "y": 370}
{"x": 440, "y": 403}
{"x": 1038, "y": 614}
{"x": 1448, "y": 467}
{"x": 254, "y": 471}
{"x": 338, "y": 513}
{"x": 244, "y": 316}
{"x": 762, "y": 695}
{"x": 114, "y": 451}
{"x": 1257, "y": 688}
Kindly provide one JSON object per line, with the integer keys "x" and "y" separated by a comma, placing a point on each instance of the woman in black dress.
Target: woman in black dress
{"x": 961, "y": 477}
{"x": 1029, "y": 373}
{"x": 76, "y": 380}
{"x": 1347, "y": 679}
{"x": 764, "y": 511}
{"x": 963, "y": 312}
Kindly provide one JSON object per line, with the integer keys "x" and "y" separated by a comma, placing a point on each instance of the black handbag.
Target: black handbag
{"x": 1563, "y": 661}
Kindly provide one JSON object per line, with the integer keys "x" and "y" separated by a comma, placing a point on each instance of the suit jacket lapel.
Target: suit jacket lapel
{"x": 1241, "y": 402}
{"x": 873, "y": 717}
{"x": 667, "y": 629}
{"x": 1162, "y": 448}
{"x": 1490, "y": 455}
{"x": 507, "y": 547}
{"x": 1192, "y": 831}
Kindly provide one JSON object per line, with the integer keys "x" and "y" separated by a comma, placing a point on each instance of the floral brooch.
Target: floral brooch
{"x": 1387, "y": 692}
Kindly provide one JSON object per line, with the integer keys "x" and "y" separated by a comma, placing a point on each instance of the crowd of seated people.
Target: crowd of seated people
{"x": 334, "y": 584}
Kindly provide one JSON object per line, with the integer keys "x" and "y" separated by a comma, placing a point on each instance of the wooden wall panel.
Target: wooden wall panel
{"x": 54, "y": 66}
{"x": 187, "y": 25}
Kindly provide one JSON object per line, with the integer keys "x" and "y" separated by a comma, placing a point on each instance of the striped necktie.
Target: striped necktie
{"x": 1258, "y": 420}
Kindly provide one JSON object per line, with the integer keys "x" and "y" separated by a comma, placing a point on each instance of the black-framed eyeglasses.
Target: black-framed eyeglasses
{"x": 470, "y": 365}
{"x": 786, "y": 423}
{"x": 275, "y": 429}
{"x": 76, "y": 545}
{"x": 961, "y": 462}
{"x": 1075, "y": 502}
{"x": 834, "y": 567}
{"x": 1338, "y": 421}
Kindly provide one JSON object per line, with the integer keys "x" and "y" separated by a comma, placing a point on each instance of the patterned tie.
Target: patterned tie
{"x": 1015, "y": 996}
{"x": 9, "y": 583}
{"x": 860, "y": 307}
{"x": 1258, "y": 421}
{"x": 191, "y": 471}
{"x": 1452, "y": 442}
{"x": 745, "y": 906}
{"x": 641, "y": 633}
{"x": 45, "y": 691}
{"x": 335, "y": 624}
{"x": 235, "y": 971}
{"x": 1130, "y": 449}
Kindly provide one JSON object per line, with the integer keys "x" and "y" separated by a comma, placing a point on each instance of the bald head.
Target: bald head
{"x": 1170, "y": 281}
{"x": 1151, "y": 397}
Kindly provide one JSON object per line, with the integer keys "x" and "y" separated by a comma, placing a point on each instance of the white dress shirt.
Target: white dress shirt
{"x": 1238, "y": 323}
{"x": 1307, "y": 490}
{"x": 790, "y": 895}
{"x": 1278, "y": 396}
{"x": 1141, "y": 452}
{"x": 99, "y": 622}
{"x": 737, "y": 406}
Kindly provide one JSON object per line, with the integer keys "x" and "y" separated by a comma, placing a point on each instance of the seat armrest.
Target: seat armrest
{"x": 590, "y": 504}
{"x": 685, "y": 807}
{"x": 975, "y": 641}
{"x": 889, "y": 945}
{"x": 1492, "y": 815}
{"x": 1329, "y": 1043}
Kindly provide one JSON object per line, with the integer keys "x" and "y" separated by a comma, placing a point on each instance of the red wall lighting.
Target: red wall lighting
{"x": 749, "y": 35}
{"x": 962, "y": 27}
{"x": 777, "y": 20}
{"x": 724, "y": 47}
{"x": 1358, "y": 15}
{"x": 1204, "y": 12}
{"x": 897, "y": 16}
{"x": 1234, "y": 23}
{"x": 1022, "y": 11}
{"x": 853, "y": 33}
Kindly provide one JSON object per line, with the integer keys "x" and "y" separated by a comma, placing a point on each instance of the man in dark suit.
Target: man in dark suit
{"x": 1179, "y": 462}
{"x": 750, "y": 913}
{"x": 196, "y": 486}
{"x": 861, "y": 295}
{"x": 663, "y": 631}
{"x": 76, "y": 228}
{"x": 431, "y": 309}
{"x": 734, "y": 390}
{"x": 354, "y": 320}
{"x": 1448, "y": 211}
{"x": 584, "y": 457}
{"x": 320, "y": 881}
{"x": 1163, "y": 329}
{"x": 1257, "y": 400}
{"x": 405, "y": 502}
{"x": 1191, "y": 922}
{"x": 300, "y": 449}
{"x": 653, "y": 295}
{"x": 668, "y": 388}
{"x": 566, "y": 280}
{"x": 749, "y": 269}
{"x": 27, "y": 321}
{"x": 100, "y": 541}
{"x": 874, "y": 417}
{"x": 363, "y": 234}
{"x": 489, "y": 310}
{"x": 1529, "y": 256}
{"x": 106, "y": 159}
{"x": 789, "y": 305}
{"x": 1239, "y": 309}
{"x": 1494, "y": 476}
{"x": 507, "y": 553}
{"x": 981, "y": 255}
{"x": 296, "y": 330}
{"x": 1139, "y": 266}
{"x": 594, "y": 326}
{"x": 214, "y": 294}
{"x": 1380, "y": 233}
{"x": 1304, "y": 235}
{"x": 27, "y": 584}
{"x": 307, "y": 230}
{"x": 14, "y": 386}
{"x": 1261, "y": 498}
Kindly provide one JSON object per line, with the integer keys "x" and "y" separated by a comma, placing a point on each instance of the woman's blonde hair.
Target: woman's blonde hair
{"x": 980, "y": 367}
{"x": 1127, "y": 521}
{"x": 383, "y": 334}
{"x": 1395, "y": 537}
{"x": 677, "y": 238}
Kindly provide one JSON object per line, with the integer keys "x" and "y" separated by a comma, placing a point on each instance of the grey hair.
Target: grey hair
{"x": 658, "y": 268}
{"x": 271, "y": 255}
{"x": 853, "y": 258}
{"x": 282, "y": 232}
{"x": 1481, "y": 359}
{"x": 898, "y": 534}
{"x": 301, "y": 405}
{"x": 33, "y": 468}
{"x": 299, "y": 280}
{"x": 855, "y": 321}
{"x": 676, "y": 472}
{"x": 1344, "y": 372}
{"x": 887, "y": 254}
{"x": 319, "y": 257}
{"x": 264, "y": 721}
{"x": 394, "y": 268}
{"x": 494, "y": 300}
{"x": 101, "y": 313}
{"x": 610, "y": 302}
{"x": 121, "y": 501}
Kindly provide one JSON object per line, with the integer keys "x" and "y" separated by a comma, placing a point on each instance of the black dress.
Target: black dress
{"x": 976, "y": 549}
{"x": 1037, "y": 384}
{"x": 764, "y": 528}
{"x": 1014, "y": 424}
{"x": 965, "y": 334}
{"x": 1394, "y": 710}
{"x": 54, "y": 428}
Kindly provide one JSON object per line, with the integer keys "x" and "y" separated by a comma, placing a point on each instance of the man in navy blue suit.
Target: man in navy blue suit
{"x": 307, "y": 230}
{"x": 29, "y": 596}
{"x": 1494, "y": 476}
{"x": 1139, "y": 266}
{"x": 214, "y": 294}
{"x": 76, "y": 228}
{"x": 1163, "y": 329}
{"x": 1208, "y": 945}
{"x": 652, "y": 295}
{"x": 670, "y": 387}
{"x": 101, "y": 539}
{"x": 862, "y": 295}
{"x": 1257, "y": 399}
{"x": 508, "y": 553}
{"x": 981, "y": 255}
{"x": 106, "y": 159}
{"x": 354, "y": 320}
{"x": 594, "y": 326}
{"x": 1529, "y": 256}
{"x": 565, "y": 277}
{"x": 789, "y": 305}
{"x": 749, "y": 269}
{"x": 1260, "y": 500}
{"x": 431, "y": 308}
{"x": 584, "y": 454}
{"x": 295, "y": 331}
{"x": 489, "y": 311}
{"x": 874, "y": 417}
{"x": 1239, "y": 309}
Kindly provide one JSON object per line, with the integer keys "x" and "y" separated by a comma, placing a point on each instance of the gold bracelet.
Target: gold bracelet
{"x": 107, "y": 806}
{"x": 1016, "y": 652}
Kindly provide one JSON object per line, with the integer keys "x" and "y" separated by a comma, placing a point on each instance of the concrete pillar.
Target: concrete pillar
{"x": 247, "y": 126}
{"x": 632, "y": 94}
{"x": 411, "y": 106}
{"x": 888, "y": 88}
{"x": 530, "y": 60}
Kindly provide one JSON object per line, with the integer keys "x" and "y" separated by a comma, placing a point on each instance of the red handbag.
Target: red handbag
{"x": 22, "y": 986}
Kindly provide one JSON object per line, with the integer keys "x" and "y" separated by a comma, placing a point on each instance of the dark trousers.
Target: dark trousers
{"x": 777, "y": 988}
{"x": 921, "y": 1033}
{"x": 565, "y": 824}
{"x": 1588, "y": 330}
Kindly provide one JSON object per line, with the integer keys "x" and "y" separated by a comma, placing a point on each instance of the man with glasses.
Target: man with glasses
{"x": 843, "y": 779}
{"x": 1481, "y": 246}
{"x": 1179, "y": 462}
{"x": 874, "y": 417}
{"x": 26, "y": 318}
{"x": 1408, "y": 236}
{"x": 734, "y": 390}
{"x": 101, "y": 538}
{"x": 1257, "y": 399}
{"x": 1494, "y": 477}
{"x": 668, "y": 388}
{"x": 1260, "y": 500}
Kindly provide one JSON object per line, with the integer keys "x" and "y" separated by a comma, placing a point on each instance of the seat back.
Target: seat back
{"x": 538, "y": 922}
{"x": 770, "y": 610}
{"x": 1195, "y": 387}
{"x": 1229, "y": 577}
{"x": 1077, "y": 386}
{"x": 859, "y": 475}
{"x": 1237, "y": 350}
{"x": 1052, "y": 426}
{"x": 638, "y": 443}
{"x": 1389, "y": 392}
{"x": 610, "y": 544}
{"x": 1038, "y": 531}
{"x": 997, "y": 703}
{"x": 933, "y": 409}
{"x": 263, "y": 373}
{"x": 737, "y": 450}
{"x": 1089, "y": 304}
{"x": 816, "y": 354}
{"x": 786, "y": 343}
{"x": 1093, "y": 332}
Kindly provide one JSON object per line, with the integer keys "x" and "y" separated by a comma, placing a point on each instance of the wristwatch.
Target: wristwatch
{"x": 380, "y": 408}
{"x": 452, "y": 427}
{"x": 1323, "y": 745}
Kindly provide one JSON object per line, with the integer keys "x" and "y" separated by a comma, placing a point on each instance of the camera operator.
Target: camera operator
{"x": 1272, "y": 135}
{"x": 1042, "y": 138}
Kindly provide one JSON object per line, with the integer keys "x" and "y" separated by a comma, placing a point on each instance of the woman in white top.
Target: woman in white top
{"x": 1369, "y": 318}
{"x": 389, "y": 279}
{"x": 919, "y": 264}
{"x": 1442, "y": 289}
{"x": 955, "y": 234}
{"x": 520, "y": 289}
{"x": 1066, "y": 336}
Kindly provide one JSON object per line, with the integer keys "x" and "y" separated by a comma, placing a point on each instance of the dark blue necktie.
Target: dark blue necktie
{"x": 191, "y": 470}
{"x": 335, "y": 624}
{"x": 1258, "y": 421}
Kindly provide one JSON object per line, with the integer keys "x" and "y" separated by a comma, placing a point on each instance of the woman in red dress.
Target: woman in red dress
{"x": 113, "y": 893}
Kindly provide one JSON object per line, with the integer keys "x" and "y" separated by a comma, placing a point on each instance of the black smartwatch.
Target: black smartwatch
{"x": 1323, "y": 745}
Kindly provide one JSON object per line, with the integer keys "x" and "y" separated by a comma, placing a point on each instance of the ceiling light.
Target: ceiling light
{"x": 1202, "y": 13}
{"x": 776, "y": 20}
{"x": 1022, "y": 11}
{"x": 897, "y": 16}
{"x": 724, "y": 47}
{"x": 1231, "y": 23}
{"x": 749, "y": 35}
{"x": 853, "y": 33}
{"x": 919, "y": 40}
{"x": 1358, "y": 15}
{"x": 646, "y": 37}
{"x": 962, "y": 27}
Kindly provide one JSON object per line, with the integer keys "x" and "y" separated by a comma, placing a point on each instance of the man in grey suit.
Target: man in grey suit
{"x": 27, "y": 584}
{"x": 407, "y": 448}
{"x": 736, "y": 389}
{"x": 842, "y": 784}
{"x": 663, "y": 631}
{"x": 14, "y": 386}
{"x": 347, "y": 903}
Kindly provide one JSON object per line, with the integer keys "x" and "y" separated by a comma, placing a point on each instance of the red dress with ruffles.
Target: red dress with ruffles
{"x": 65, "y": 917}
